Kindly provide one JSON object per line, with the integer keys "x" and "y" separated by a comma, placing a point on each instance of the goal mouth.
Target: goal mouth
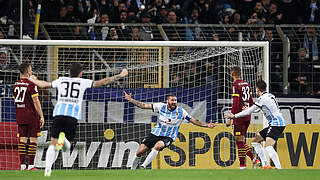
{"x": 109, "y": 134}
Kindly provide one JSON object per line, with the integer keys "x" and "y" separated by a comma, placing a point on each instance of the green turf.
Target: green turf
{"x": 183, "y": 174}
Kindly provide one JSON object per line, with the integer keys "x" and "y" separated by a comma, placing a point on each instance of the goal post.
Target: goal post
{"x": 197, "y": 72}
{"x": 262, "y": 44}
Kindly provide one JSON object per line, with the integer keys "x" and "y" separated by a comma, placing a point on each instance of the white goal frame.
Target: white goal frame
{"x": 263, "y": 44}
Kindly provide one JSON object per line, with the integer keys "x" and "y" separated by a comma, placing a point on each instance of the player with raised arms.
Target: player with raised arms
{"x": 68, "y": 108}
{"x": 270, "y": 108}
{"x": 166, "y": 130}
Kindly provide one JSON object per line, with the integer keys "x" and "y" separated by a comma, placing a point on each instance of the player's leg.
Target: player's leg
{"x": 159, "y": 146}
{"x": 272, "y": 136}
{"x": 256, "y": 144}
{"x": 34, "y": 132}
{"x": 51, "y": 156}
{"x": 239, "y": 134}
{"x": 272, "y": 153}
{"x": 147, "y": 143}
{"x": 69, "y": 133}
{"x": 52, "y": 152}
{"x": 154, "y": 152}
{"x": 32, "y": 150}
{"x": 22, "y": 134}
{"x": 249, "y": 153}
{"x": 142, "y": 149}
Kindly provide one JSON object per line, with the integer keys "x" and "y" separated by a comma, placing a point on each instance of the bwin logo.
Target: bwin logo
{"x": 85, "y": 156}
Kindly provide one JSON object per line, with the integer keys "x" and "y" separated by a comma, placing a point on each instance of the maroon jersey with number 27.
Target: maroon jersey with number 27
{"x": 23, "y": 92}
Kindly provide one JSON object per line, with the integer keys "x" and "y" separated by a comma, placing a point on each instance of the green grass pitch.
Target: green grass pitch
{"x": 183, "y": 174}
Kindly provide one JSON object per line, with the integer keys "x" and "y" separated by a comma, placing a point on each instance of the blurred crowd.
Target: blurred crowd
{"x": 304, "y": 71}
{"x": 168, "y": 11}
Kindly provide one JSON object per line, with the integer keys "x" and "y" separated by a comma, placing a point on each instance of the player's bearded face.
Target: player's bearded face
{"x": 172, "y": 103}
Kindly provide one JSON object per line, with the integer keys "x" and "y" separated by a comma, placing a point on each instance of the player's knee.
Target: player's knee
{"x": 23, "y": 139}
{"x": 140, "y": 153}
{"x": 269, "y": 142}
{"x": 255, "y": 139}
{"x": 239, "y": 138}
{"x": 159, "y": 145}
{"x": 33, "y": 140}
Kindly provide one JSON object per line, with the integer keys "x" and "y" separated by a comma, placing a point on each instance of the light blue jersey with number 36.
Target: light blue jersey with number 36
{"x": 70, "y": 96}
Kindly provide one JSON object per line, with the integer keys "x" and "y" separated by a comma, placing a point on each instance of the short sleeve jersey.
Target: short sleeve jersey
{"x": 168, "y": 122}
{"x": 70, "y": 96}
{"x": 241, "y": 96}
{"x": 269, "y": 105}
{"x": 23, "y": 92}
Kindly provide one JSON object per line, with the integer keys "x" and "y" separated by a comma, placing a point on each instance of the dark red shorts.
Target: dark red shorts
{"x": 29, "y": 130}
{"x": 240, "y": 129}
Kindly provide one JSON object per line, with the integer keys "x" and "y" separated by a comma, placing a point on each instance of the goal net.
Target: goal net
{"x": 111, "y": 129}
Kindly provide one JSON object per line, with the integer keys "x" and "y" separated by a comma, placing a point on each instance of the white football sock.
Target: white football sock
{"x": 274, "y": 156}
{"x": 259, "y": 150}
{"x": 23, "y": 166}
{"x": 51, "y": 157}
{"x": 150, "y": 157}
{"x": 66, "y": 145}
{"x": 135, "y": 162}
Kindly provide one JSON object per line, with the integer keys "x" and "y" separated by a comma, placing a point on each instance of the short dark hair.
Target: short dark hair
{"x": 75, "y": 69}
{"x": 24, "y": 67}
{"x": 261, "y": 85}
{"x": 170, "y": 95}
{"x": 236, "y": 70}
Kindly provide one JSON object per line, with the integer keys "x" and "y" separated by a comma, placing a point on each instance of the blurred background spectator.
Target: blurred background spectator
{"x": 183, "y": 20}
{"x": 300, "y": 74}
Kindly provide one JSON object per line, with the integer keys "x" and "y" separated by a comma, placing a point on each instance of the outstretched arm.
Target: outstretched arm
{"x": 135, "y": 102}
{"x": 242, "y": 113}
{"x": 109, "y": 80}
{"x": 202, "y": 124}
{"x": 42, "y": 84}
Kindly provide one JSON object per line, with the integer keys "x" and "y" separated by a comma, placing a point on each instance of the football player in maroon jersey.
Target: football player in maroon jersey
{"x": 29, "y": 116}
{"x": 242, "y": 98}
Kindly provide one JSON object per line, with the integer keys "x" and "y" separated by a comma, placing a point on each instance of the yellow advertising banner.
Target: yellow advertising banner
{"x": 203, "y": 148}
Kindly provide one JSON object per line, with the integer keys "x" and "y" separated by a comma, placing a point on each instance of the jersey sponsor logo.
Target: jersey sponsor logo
{"x": 21, "y": 105}
{"x": 243, "y": 83}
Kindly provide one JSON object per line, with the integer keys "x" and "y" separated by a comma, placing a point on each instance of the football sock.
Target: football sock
{"x": 32, "y": 150}
{"x": 150, "y": 157}
{"x": 22, "y": 152}
{"x": 51, "y": 156}
{"x": 259, "y": 150}
{"x": 66, "y": 145}
{"x": 241, "y": 153}
{"x": 274, "y": 156}
{"x": 249, "y": 152}
{"x": 30, "y": 167}
{"x": 23, "y": 166}
{"x": 135, "y": 162}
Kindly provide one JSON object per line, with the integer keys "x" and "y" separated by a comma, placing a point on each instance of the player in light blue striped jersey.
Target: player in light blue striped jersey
{"x": 270, "y": 108}
{"x": 170, "y": 117}
{"x": 67, "y": 111}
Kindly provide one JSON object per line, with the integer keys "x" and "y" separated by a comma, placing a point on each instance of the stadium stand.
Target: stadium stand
{"x": 204, "y": 20}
